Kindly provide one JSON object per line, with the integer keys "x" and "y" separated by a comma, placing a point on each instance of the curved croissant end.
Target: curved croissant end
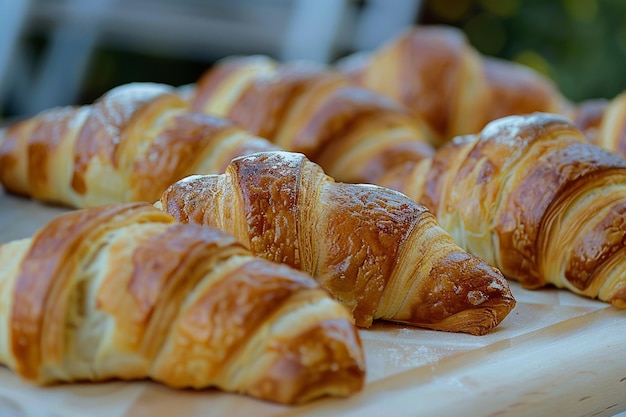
{"x": 125, "y": 292}
{"x": 378, "y": 252}
{"x": 129, "y": 145}
{"x": 532, "y": 197}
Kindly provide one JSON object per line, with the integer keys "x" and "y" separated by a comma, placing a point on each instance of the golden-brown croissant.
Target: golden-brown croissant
{"x": 434, "y": 71}
{"x": 125, "y": 292}
{"x": 532, "y": 197}
{"x": 378, "y": 252}
{"x": 129, "y": 145}
{"x": 604, "y": 122}
{"x": 516, "y": 89}
{"x": 354, "y": 134}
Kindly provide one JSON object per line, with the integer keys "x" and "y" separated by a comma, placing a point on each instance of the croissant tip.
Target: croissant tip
{"x": 477, "y": 321}
{"x": 619, "y": 302}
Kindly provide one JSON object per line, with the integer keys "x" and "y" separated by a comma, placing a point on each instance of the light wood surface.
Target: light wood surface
{"x": 556, "y": 354}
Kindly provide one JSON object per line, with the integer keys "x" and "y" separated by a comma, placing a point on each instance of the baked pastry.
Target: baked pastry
{"x": 604, "y": 122}
{"x": 129, "y": 145}
{"x": 532, "y": 197}
{"x": 435, "y": 72}
{"x": 355, "y": 135}
{"x": 125, "y": 292}
{"x": 588, "y": 116}
{"x": 516, "y": 89}
{"x": 379, "y": 253}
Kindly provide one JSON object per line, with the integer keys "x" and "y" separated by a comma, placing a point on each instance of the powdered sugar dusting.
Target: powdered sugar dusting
{"x": 279, "y": 158}
{"x": 289, "y": 159}
{"x": 506, "y": 130}
{"x": 497, "y": 284}
{"x": 476, "y": 297}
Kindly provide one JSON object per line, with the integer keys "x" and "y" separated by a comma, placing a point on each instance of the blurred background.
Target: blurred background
{"x": 57, "y": 52}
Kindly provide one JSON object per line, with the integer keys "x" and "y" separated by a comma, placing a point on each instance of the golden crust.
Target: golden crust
{"x": 127, "y": 146}
{"x": 125, "y": 292}
{"x": 435, "y": 72}
{"x": 41, "y": 293}
{"x": 515, "y": 89}
{"x": 587, "y": 116}
{"x": 354, "y": 134}
{"x": 13, "y": 168}
{"x": 378, "y": 252}
{"x": 611, "y": 132}
{"x": 532, "y": 197}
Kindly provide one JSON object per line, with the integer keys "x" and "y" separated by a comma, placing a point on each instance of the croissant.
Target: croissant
{"x": 379, "y": 253}
{"x": 125, "y": 292}
{"x": 532, "y": 197}
{"x": 354, "y": 134}
{"x": 604, "y": 122}
{"x": 435, "y": 72}
{"x": 129, "y": 145}
{"x": 516, "y": 89}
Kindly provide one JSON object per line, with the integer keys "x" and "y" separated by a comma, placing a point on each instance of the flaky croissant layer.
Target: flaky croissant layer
{"x": 354, "y": 134}
{"x": 532, "y": 197}
{"x": 125, "y": 292}
{"x": 604, "y": 122}
{"x": 129, "y": 145}
{"x": 378, "y": 252}
{"x": 434, "y": 71}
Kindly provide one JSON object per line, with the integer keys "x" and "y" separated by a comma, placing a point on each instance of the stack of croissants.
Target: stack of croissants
{"x": 235, "y": 233}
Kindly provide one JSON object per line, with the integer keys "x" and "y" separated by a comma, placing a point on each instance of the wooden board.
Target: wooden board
{"x": 555, "y": 354}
